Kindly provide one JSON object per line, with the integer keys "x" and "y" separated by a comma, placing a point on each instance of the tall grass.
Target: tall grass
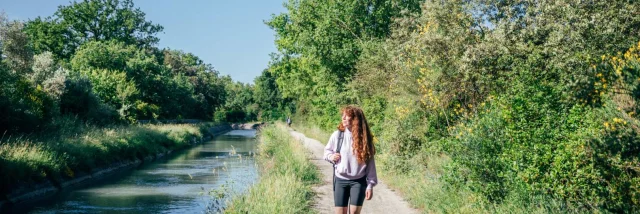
{"x": 286, "y": 176}
{"x": 77, "y": 148}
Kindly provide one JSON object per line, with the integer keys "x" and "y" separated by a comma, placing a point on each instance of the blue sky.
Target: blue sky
{"x": 229, "y": 34}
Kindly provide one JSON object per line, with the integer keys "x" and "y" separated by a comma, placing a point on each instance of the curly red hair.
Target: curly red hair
{"x": 363, "y": 146}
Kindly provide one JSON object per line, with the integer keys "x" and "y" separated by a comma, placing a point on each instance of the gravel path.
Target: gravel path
{"x": 384, "y": 199}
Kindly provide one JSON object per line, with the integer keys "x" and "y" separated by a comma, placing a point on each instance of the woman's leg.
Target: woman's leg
{"x": 355, "y": 209}
{"x": 357, "y": 193}
{"x": 341, "y": 196}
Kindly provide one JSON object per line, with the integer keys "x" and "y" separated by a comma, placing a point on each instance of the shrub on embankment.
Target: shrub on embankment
{"x": 79, "y": 149}
{"x": 286, "y": 176}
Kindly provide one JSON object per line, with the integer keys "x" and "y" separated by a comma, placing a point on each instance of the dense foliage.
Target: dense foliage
{"x": 97, "y": 60}
{"x": 525, "y": 97}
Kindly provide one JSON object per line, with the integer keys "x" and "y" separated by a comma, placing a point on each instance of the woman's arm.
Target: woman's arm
{"x": 330, "y": 149}
{"x": 372, "y": 176}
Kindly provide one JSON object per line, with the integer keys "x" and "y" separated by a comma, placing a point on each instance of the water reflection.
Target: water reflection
{"x": 174, "y": 184}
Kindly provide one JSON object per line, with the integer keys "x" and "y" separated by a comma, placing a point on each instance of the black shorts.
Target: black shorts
{"x": 345, "y": 189}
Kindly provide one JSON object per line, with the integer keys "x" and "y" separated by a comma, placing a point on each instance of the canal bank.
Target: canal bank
{"x": 28, "y": 193}
{"x": 286, "y": 176}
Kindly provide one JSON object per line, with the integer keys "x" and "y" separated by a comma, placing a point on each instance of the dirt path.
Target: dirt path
{"x": 384, "y": 199}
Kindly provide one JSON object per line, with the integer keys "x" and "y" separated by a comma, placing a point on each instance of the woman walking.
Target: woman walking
{"x": 351, "y": 150}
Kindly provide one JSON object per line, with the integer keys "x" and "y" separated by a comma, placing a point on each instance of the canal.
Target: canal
{"x": 193, "y": 180}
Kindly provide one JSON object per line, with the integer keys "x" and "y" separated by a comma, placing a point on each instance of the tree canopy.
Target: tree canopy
{"x": 91, "y": 20}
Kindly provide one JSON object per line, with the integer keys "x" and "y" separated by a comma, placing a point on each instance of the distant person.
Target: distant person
{"x": 289, "y": 121}
{"x": 351, "y": 150}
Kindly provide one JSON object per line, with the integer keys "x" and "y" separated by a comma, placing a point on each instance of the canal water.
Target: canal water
{"x": 190, "y": 181}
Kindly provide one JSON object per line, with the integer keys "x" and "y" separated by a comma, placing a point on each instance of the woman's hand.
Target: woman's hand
{"x": 368, "y": 194}
{"x": 335, "y": 157}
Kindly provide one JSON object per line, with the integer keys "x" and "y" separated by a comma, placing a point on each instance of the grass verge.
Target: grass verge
{"x": 286, "y": 176}
{"x": 79, "y": 148}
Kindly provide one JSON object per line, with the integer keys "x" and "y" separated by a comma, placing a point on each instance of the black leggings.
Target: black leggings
{"x": 345, "y": 189}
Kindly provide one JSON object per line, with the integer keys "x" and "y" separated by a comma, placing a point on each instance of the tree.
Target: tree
{"x": 49, "y": 35}
{"x": 266, "y": 93}
{"x": 43, "y": 67}
{"x": 176, "y": 85}
{"x": 122, "y": 76}
{"x": 333, "y": 31}
{"x": 92, "y": 20}
{"x": 15, "y": 46}
{"x": 319, "y": 43}
{"x": 208, "y": 88}
{"x": 268, "y": 98}
{"x": 238, "y": 104}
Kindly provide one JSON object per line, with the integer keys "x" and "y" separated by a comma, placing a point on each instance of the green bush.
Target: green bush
{"x": 529, "y": 140}
{"x": 79, "y": 99}
{"x": 23, "y": 107}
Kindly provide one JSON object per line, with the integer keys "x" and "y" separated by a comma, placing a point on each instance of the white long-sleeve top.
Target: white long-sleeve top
{"x": 348, "y": 167}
